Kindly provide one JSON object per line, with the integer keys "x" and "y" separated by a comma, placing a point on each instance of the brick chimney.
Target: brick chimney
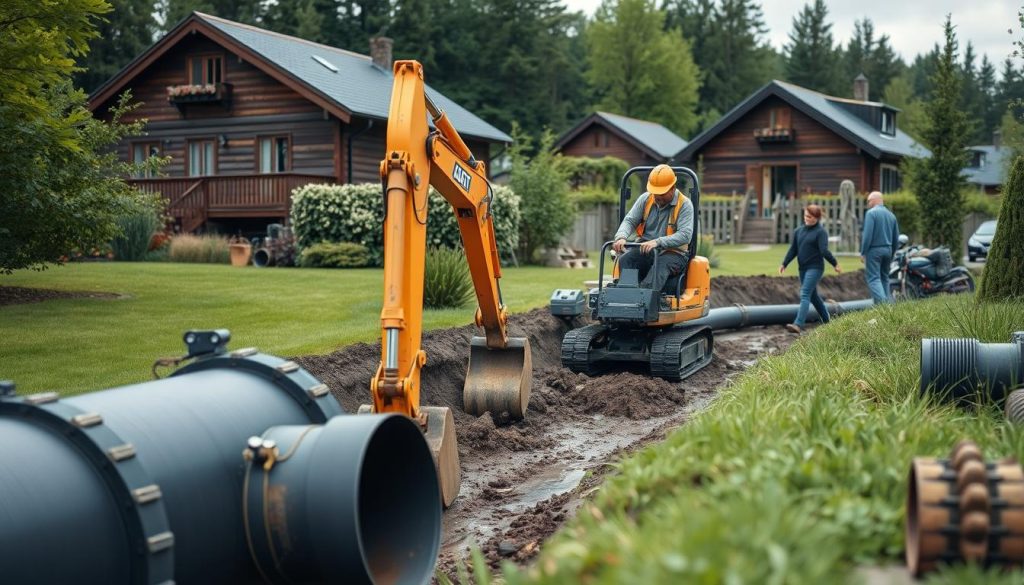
{"x": 380, "y": 52}
{"x": 860, "y": 88}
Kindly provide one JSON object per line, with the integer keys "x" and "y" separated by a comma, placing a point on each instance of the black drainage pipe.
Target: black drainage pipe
{"x": 966, "y": 370}
{"x": 144, "y": 483}
{"x": 739, "y": 316}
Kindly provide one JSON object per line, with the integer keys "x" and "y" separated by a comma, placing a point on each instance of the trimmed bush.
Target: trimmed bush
{"x": 136, "y": 230}
{"x": 1004, "y": 270}
{"x": 446, "y": 283}
{"x": 907, "y": 210}
{"x": 354, "y": 213}
{"x": 199, "y": 249}
{"x": 331, "y": 255}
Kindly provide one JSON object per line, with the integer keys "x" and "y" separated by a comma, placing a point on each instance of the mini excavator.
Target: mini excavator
{"x": 500, "y": 369}
{"x": 639, "y": 325}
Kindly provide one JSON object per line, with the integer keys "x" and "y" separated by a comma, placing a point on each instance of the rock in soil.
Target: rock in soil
{"x": 522, "y": 480}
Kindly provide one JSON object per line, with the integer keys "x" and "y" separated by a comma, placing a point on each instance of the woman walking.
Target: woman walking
{"x": 809, "y": 245}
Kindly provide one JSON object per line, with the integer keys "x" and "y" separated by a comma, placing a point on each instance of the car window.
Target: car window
{"x": 987, "y": 229}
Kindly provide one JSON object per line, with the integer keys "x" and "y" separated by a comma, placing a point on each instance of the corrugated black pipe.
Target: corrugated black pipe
{"x": 739, "y": 316}
{"x": 966, "y": 370}
{"x": 144, "y": 483}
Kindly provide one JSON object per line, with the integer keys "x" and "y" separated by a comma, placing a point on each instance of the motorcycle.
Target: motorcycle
{"x": 918, "y": 272}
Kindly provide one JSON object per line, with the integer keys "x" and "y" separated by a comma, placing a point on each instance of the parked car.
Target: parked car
{"x": 977, "y": 245}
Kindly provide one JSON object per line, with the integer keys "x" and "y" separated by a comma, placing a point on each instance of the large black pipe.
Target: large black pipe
{"x": 144, "y": 483}
{"x": 739, "y": 316}
{"x": 966, "y": 370}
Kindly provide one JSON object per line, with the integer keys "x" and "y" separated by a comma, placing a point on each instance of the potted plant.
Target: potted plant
{"x": 241, "y": 251}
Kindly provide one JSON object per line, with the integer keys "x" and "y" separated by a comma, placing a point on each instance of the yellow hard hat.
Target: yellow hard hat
{"x": 661, "y": 181}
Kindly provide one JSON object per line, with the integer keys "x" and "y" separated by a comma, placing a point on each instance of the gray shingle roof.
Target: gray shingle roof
{"x": 994, "y": 170}
{"x": 658, "y": 138}
{"x": 825, "y": 109}
{"x": 358, "y": 85}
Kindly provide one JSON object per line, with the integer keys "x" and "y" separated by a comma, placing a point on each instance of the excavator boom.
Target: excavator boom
{"x": 499, "y": 372}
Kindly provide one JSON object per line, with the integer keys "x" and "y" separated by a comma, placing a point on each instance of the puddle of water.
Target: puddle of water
{"x": 555, "y": 480}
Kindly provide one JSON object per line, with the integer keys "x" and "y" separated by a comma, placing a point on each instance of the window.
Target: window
{"x": 202, "y": 156}
{"x": 273, "y": 155}
{"x": 142, "y": 151}
{"x": 890, "y": 179}
{"x": 779, "y": 118}
{"x": 888, "y": 123}
{"x": 204, "y": 69}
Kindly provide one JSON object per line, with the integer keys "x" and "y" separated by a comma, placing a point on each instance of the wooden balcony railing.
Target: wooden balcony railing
{"x": 193, "y": 200}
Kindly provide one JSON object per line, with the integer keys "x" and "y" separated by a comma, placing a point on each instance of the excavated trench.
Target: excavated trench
{"x": 522, "y": 480}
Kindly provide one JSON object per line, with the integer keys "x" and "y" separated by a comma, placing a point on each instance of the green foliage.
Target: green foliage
{"x": 592, "y": 180}
{"x": 446, "y": 281}
{"x": 706, "y": 248}
{"x": 978, "y": 202}
{"x": 811, "y": 56}
{"x": 639, "y": 69}
{"x": 59, "y": 176}
{"x": 126, "y": 31}
{"x": 937, "y": 180}
{"x": 904, "y": 206}
{"x": 335, "y": 255}
{"x": 353, "y": 213}
{"x": 1004, "y": 270}
{"x": 900, "y": 94}
{"x": 796, "y": 473}
{"x": 199, "y": 249}
{"x": 547, "y": 211}
{"x": 873, "y": 57}
{"x": 137, "y": 231}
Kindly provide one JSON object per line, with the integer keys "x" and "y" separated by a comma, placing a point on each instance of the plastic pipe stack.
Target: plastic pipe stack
{"x": 235, "y": 469}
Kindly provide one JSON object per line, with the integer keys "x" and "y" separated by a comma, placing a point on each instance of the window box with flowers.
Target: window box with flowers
{"x": 774, "y": 134}
{"x": 204, "y": 93}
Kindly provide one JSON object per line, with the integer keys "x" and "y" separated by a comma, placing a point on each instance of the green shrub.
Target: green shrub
{"x": 137, "y": 230}
{"x": 976, "y": 202}
{"x": 199, "y": 249}
{"x": 1004, "y": 270}
{"x": 161, "y": 254}
{"x": 331, "y": 255}
{"x": 353, "y": 213}
{"x": 907, "y": 210}
{"x": 548, "y": 212}
{"x": 706, "y": 248}
{"x": 446, "y": 283}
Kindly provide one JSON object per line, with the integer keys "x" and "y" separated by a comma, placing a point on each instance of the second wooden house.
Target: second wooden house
{"x": 246, "y": 115}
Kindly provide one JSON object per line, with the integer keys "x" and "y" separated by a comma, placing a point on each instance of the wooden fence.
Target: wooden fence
{"x": 842, "y": 222}
{"x": 597, "y": 225}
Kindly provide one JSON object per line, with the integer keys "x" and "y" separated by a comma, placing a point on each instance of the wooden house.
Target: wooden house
{"x": 246, "y": 115}
{"x": 637, "y": 142}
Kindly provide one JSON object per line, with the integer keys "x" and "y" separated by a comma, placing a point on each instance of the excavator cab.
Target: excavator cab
{"x": 635, "y": 325}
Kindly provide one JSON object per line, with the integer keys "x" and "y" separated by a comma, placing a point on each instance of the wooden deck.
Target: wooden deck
{"x": 193, "y": 200}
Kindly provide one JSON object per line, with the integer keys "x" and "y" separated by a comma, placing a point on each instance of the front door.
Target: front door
{"x": 777, "y": 183}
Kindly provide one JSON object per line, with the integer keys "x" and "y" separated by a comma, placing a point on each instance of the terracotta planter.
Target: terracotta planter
{"x": 240, "y": 254}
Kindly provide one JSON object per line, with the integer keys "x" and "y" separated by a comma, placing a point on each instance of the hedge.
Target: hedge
{"x": 354, "y": 213}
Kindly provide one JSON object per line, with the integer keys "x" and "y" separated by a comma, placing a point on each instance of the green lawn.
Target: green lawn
{"x": 75, "y": 345}
{"x": 798, "y": 472}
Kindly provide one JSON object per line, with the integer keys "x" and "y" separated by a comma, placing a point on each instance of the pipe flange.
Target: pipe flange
{"x": 312, "y": 396}
{"x": 744, "y": 314}
{"x": 139, "y": 499}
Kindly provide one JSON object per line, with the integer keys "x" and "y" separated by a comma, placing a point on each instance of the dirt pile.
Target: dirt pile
{"x": 784, "y": 290}
{"x": 19, "y": 295}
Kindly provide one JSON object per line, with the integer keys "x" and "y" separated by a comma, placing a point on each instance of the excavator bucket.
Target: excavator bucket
{"x": 440, "y": 435}
{"x": 498, "y": 380}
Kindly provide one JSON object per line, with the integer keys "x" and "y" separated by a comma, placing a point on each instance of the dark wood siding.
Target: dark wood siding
{"x": 824, "y": 158}
{"x": 598, "y": 141}
{"x": 368, "y": 149}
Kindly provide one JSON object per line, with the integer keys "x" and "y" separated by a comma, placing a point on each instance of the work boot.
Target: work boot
{"x": 793, "y": 327}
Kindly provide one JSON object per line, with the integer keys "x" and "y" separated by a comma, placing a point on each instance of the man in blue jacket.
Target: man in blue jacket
{"x": 877, "y": 246}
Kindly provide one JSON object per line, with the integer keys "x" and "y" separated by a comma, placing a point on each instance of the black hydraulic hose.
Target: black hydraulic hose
{"x": 739, "y": 316}
{"x": 967, "y": 370}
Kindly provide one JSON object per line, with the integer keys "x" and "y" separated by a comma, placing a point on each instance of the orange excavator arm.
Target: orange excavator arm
{"x": 498, "y": 377}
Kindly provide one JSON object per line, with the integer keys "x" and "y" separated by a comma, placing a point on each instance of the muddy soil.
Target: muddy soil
{"x": 19, "y": 295}
{"x": 783, "y": 290}
{"x": 522, "y": 480}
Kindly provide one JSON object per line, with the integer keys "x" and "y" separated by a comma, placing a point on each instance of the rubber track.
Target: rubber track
{"x": 665, "y": 352}
{"x": 576, "y": 348}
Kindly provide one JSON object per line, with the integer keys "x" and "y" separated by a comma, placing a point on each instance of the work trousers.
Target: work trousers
{"x": 876, "y": 272}
{"x": 669, "y": 263}
{"x": 809, "y": 296}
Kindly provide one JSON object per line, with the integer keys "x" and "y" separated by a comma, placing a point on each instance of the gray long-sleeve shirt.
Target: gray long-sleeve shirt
{"x": 656, "y": 226}
{"x": 880, "y": 230}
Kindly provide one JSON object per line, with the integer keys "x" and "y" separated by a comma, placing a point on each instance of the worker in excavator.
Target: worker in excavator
{"x": 661, "y": 219}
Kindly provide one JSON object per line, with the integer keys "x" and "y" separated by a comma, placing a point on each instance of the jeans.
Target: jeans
{"x": 876, "y": 271}
{"x": 668, "y": 263}
{"x": 809, "y": 296}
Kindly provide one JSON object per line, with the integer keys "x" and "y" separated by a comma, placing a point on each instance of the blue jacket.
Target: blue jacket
{"x": 880, "y": 230}
{"x": 809, "y": 245}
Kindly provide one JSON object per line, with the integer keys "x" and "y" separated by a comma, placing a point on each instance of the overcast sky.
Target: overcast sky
{"x": 914, "y": 26}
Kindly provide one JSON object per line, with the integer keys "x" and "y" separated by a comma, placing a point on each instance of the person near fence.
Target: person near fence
{"x": 809, "y": 245}
{"x": 662, "y": 221}
{"x": 878, "y": 244}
